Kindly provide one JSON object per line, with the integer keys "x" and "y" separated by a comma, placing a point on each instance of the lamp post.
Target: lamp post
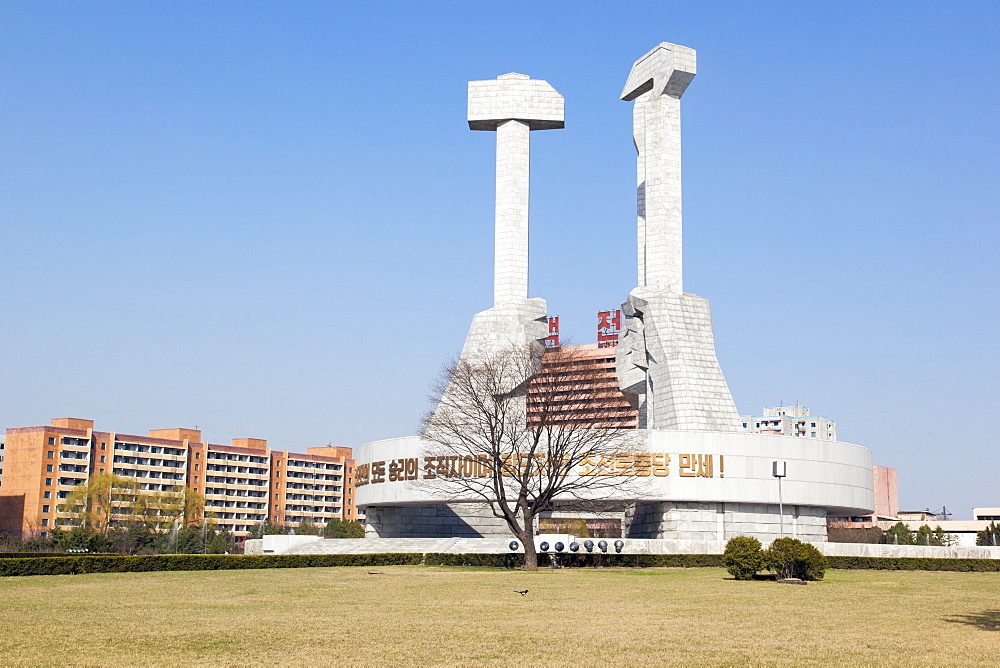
{"x": 778, "y": 470}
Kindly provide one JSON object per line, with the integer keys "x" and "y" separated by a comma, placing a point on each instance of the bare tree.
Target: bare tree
{"x": 518, "y": 432}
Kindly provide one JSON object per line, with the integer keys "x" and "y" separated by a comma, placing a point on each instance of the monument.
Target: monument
{"x": 512, "y": 105}
{"x": 666, "y": 358}
{"x": 695, "y": 475}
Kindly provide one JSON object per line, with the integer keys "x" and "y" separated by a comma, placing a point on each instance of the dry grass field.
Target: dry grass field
{"x": 450, "y": 616}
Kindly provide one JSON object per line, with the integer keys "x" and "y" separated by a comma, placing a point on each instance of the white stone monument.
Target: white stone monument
{"x": 714, "y": 482}
{"x": 666, "y": 356}
{"x": 512, "y": 105}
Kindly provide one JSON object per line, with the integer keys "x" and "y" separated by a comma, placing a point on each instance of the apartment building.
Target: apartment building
{"x": 579, "y": 385}
{"x": 312, "y": 487}
{"x": 790, "y": 421}
{"x": 244, "y": 483}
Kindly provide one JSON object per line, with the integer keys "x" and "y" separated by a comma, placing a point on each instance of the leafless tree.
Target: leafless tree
{"x": 518, "y": 430}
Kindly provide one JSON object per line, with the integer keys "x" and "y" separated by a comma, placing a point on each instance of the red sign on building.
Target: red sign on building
{"x": 552, "y": 340}
{"x": 609, "y": 325}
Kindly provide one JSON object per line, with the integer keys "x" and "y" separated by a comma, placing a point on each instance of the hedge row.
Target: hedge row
{"x": 914, "y": 564}
{"x": 577, "y": 560}
{"x": 31, "y": 555}
{"x": 195, "y": 562}
{"x": 70, "y": 565}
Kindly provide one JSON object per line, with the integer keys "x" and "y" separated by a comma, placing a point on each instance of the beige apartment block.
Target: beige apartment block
{"x": 244, "y": 483}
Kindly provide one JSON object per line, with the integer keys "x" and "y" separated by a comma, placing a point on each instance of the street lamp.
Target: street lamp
{"x": 778, "y": 470}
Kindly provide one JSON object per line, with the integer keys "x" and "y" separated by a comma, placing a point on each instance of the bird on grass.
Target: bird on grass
{"x": 522, "y": 593}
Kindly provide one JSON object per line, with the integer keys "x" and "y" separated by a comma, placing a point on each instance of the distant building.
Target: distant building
{"x": 886, "y": 487}
{"x": 244, "y": 484}
{"x": 963, "y": 531}
{"x": 579, "y": 385}
{"x": 790, "y": 421}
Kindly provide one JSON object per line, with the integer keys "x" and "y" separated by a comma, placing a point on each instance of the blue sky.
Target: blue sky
{"x": 271, "y": 220}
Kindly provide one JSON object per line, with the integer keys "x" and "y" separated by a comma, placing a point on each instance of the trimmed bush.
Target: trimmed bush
{"x": 744, "y": 558}
{"x": 791, "y": 558}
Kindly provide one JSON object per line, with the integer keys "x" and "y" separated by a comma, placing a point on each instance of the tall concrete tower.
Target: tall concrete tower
{"x": 666, "y": 358}
{"x": 512, "y": 105}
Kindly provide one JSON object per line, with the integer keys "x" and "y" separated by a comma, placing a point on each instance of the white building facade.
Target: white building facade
{"x": 790, "y": 421}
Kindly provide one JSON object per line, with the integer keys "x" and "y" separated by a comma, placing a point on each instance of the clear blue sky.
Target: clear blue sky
{"x": 270, "y": 219}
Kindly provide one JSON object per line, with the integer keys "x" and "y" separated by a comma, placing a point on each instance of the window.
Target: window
{"x": 48, "y": 482}
{"x": 52, "y": 453}
{"x": 197, "y": 467}
{"x": 45, "y": 509}
{"x": 48, "y": 468}
{"x": 813, "y": 425}
{"x": 277, "y": 485}
{"x": 104, "y": 446}
{"x": 279, "y": 474}
{"x": 276, "y": 507}
{"x": 197, "y": 455}
{"x": 196, "y": 478}
{"x": 48, "y": 495}
{"x": 277, "y": 496}
{"x": 812, "y": 434}
{"x": 102, "y": 459}
{"x": 52, "y": 441}
{"x": 45, "y": 522}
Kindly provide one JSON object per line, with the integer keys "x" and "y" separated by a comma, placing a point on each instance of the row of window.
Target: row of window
{"x": 314, "y": 465}
{"x": 151, "y": 449}
{"x": 132, "y": 473}
{"x": 223, "y": 491}
{"x": 235, "y": 469}
{"x": 145, "y": 461}
{"x": 236, "y": 481}
{"x": 237, "y": 458}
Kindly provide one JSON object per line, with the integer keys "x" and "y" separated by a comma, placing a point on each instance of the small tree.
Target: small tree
{"x": 791, "y": 558}
{"x": 267, "y": 528}
{"x": 219, "y": 542}
{"x": 989, "y": 536}
{"x": 501, "y": 415}
{"x": 309, "y": 528}
{"x": 744, "y": 558}
{"x": 96, "y": 501}
{"x": 899, "y": 534}
{"x": 338, "y": 528}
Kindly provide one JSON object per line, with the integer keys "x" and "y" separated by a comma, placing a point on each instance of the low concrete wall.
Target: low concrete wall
{"x": 314, "y": 545}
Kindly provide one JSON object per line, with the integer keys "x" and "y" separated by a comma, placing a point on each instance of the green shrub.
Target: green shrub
{"x": 915, "y": 564}
{"x": 195, "y": 562}
{"x": 744, "y": 558}
{"x": 791, "y": 558}
{"x": 989, "y": 536}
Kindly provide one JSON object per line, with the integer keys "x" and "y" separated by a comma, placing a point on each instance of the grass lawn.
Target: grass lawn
{"x": 426, "y": 615}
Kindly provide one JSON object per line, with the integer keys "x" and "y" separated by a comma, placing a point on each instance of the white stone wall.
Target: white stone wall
{"x": 439, "y": 520}
{"x": 722, "y": 521}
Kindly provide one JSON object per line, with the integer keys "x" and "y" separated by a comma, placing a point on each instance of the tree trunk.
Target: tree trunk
{"x": 528, "y": 541}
